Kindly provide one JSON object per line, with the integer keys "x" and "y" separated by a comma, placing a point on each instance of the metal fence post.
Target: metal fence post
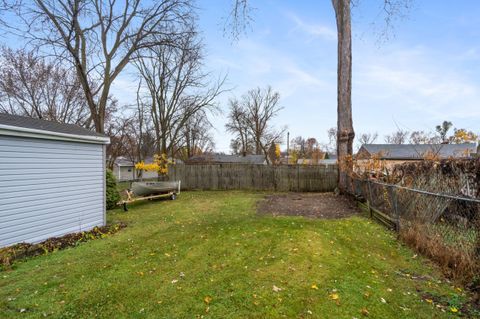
{"x": 369, "y": 198}
{"x": 396, "y": 214}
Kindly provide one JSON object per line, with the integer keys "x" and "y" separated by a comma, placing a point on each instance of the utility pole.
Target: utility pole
{"x": 288, "y": 145}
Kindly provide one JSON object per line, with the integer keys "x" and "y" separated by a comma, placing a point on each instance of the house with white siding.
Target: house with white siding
{"x": 124, "y": 169}
{"x": 52, "y": 179}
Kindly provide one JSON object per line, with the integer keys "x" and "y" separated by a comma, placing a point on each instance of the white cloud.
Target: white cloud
{"x": 312, "y": 29}
{"x": 266, "y": 65}
{"x": 412, "y": 79}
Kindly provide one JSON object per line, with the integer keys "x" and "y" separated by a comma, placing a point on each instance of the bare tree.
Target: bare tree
{"x": 141, "y": 138}
{"x": 98, "y": 38}
{"x": 299, "y": 145}
{"x": 34, "y": 87}
{"x": 332, "y": 139}
{"x": 236, "y": 147}
{"x": 421, "y": 137}
{"x": 311, "y": 146}
{"x": 130, "y": 132}
{"x": 252, "y": 117}
{"x": 196, "y": 138}
{"x": 367, "y": 138}
{"x": 177, "y": 88}
{"x": 7, "y": 6}
{"x": 238, "y": 19}
{"x": 397, "y": 137}
{"x": 237, "y": 124}
{"x": 118, "y": 129}
{"x": 261, "y": 106}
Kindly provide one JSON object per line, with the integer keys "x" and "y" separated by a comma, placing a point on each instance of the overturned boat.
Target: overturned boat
{"x": 155, "y": 188}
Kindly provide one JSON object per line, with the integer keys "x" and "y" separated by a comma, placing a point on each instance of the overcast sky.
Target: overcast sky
{"x": 428, "y": 72}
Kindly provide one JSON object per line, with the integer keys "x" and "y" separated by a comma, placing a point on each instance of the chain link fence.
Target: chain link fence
{"x": 443, "y": 227}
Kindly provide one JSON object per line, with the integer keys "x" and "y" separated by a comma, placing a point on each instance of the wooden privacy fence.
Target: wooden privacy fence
{"x": 296, "y": 178}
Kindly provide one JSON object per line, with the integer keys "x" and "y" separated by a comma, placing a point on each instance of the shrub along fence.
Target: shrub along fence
{"x": 445, "y": 228}
{"x": 296, "y": 178}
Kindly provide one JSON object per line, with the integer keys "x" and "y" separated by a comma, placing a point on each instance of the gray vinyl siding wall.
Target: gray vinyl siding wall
{"x": 49, "y": 188}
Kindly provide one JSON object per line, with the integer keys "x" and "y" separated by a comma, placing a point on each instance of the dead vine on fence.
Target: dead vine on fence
{"x": 435, "y": 206}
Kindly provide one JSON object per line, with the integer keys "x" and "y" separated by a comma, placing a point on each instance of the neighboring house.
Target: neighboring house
{"x": 327, "y": 159}
{"x": 393, "y": 154}
{"x": 124, "y": 169}
{"x": 415, "y": 152}
{"x": 52, "y": 179}
{"x": 227, "y": 159}
{"x": 308, "y": 161}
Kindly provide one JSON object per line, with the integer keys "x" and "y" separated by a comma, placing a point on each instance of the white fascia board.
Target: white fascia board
{"x": 49, "y": 135}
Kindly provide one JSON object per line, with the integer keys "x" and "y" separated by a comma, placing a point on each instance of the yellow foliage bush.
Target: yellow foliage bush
{"x": 159, "y": 165}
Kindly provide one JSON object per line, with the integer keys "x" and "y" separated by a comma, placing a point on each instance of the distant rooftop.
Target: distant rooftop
{"x": 123, "y": 161}
{"x": 43, "y": 125}
{"x": 418, "y": 151}
{"x": 221, "y": 158}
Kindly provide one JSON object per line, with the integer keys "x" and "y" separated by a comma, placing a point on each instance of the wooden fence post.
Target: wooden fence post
{"x": 298, "y": 178}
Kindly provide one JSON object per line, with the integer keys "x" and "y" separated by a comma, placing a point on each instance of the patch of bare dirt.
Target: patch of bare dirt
{"x": 313, "y": 205}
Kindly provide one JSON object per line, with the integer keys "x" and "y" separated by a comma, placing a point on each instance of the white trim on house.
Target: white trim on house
{"x": 36, "y": 133}
{"x": 104, "y": 162}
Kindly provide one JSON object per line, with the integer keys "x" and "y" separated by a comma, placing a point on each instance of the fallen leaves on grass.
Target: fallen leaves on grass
{"x": 276, "y": 289}
{"x": 334, "y": 296}
{"x": 364, "y": 311}
{"x": 207, "y": 299}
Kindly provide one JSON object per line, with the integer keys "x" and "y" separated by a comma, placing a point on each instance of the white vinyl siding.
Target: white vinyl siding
{"x": 129, "y": 173}
{"x": 49, "y": 188}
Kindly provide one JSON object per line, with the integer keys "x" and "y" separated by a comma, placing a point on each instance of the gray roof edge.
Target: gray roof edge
{"x": 409, "y": 151}
{"x": 227, "y": 159}
{"x": 15, "y": 125}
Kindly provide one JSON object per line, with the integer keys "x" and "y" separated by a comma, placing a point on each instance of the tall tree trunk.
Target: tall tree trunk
{"x": 345, "y": 133}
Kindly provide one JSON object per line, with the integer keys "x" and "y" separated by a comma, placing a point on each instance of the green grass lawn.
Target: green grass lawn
{"x": 209, "y": 255}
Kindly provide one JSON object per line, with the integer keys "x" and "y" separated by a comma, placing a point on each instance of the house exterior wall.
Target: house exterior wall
{"x": 49, "y": 188}
{"x": 364, "y": 164}
{"x": 125, "y": 173}
{"x": 363, "y": 154}
{"x": 129, "y": 173}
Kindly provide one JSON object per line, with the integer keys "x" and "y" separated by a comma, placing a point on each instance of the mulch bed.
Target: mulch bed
{"x": 23, "y": 250}
{"x": 313, "y": 205}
